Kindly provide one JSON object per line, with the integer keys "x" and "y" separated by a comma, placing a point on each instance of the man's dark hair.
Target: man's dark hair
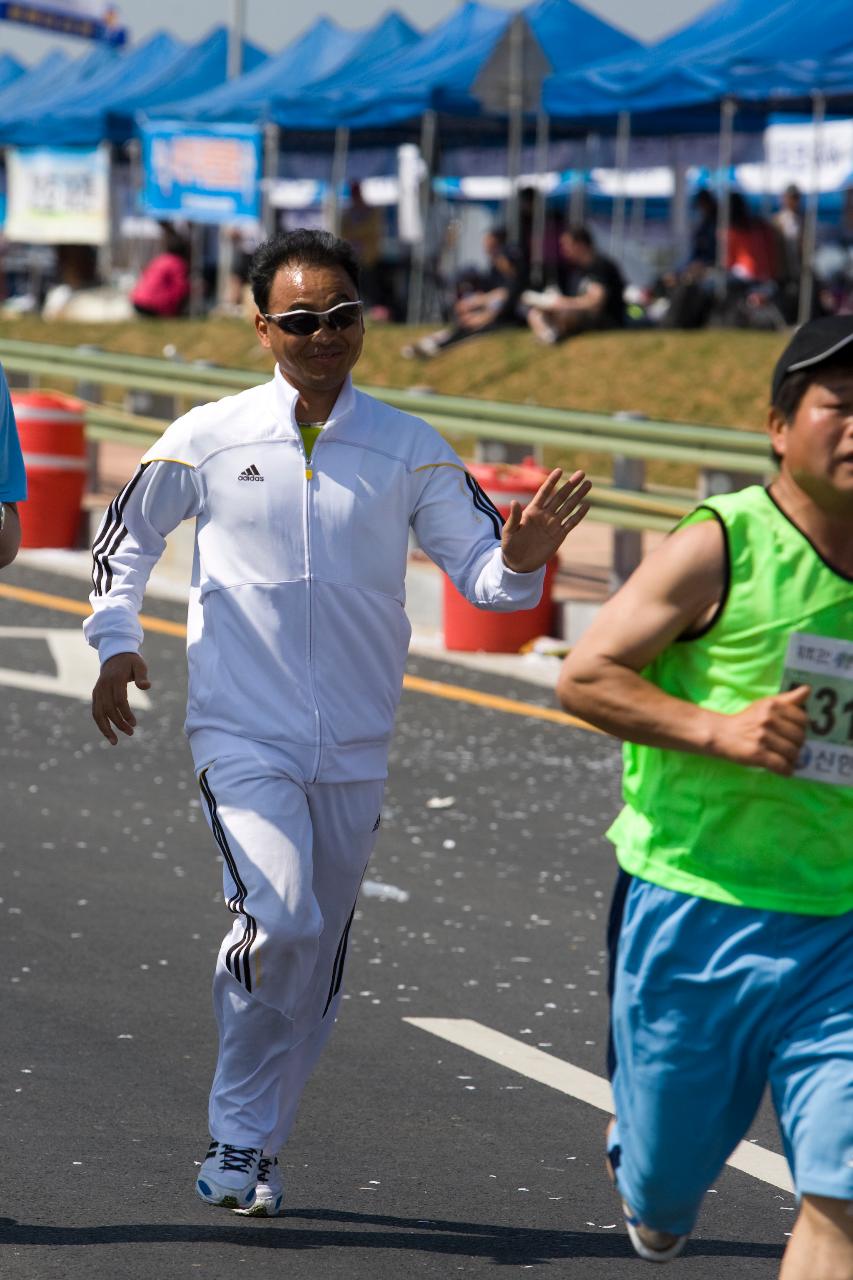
{"x": 788, "y": 398}
{"x": 792, "y": 389}
{"x": 582, "y": 235}
{"x": 307, "y": 248}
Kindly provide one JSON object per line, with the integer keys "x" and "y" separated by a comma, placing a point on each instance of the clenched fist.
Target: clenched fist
{"x": 768, "y": 734}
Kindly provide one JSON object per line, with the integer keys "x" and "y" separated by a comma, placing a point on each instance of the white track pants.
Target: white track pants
{"x": 295, "y": 854}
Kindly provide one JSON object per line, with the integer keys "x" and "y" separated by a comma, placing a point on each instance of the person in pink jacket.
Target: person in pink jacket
{"x": 164, "y": 285}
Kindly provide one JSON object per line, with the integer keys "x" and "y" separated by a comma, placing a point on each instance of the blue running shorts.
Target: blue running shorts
{"x": 711, "y": 1003}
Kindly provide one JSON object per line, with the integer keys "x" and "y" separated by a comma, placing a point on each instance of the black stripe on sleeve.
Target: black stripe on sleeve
{"x": 111, "y": 534}
{"x": 484, "y": 504}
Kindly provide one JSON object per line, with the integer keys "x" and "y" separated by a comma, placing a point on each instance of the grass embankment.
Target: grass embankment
{"x": 718, "y": 377}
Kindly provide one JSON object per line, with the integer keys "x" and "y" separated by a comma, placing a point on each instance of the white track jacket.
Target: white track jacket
{"x": 297, "y": 631}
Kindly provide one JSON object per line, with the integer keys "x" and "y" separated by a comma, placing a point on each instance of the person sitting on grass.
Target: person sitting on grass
{"x": 490, "y": 302}
{"x": 597, "y": 298}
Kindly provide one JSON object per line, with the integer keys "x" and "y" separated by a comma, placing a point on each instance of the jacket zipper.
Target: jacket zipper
{"x": 309, "y": 475}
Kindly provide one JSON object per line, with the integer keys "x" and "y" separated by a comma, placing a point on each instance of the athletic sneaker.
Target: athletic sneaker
{"x": 650, "y": 1244}
{"x": 228, "y": 1175}
{"x": 269, "y": 1191}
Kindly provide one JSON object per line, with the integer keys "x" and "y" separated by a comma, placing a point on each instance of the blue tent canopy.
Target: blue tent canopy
{"x": 45, "y": 84}
{"x": 746, "y": 50}
{"x": 743, "y": 30}
{"x": 316, "y": 53}
{"x": 374, "y": 51}
{"x": 42, "y": 78}
{"x": 112, "y": 114}
{"x": 456, "y": 45}
{"x": 122, "y": 72}
{"x": 10, "y": 70}
{"x": 445, "y": 70}
{"x": 572, "y": 37}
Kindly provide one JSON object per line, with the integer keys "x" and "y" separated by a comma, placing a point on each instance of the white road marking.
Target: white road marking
{"x": 77, "y": 666}
{"x": 529, "y": 1061}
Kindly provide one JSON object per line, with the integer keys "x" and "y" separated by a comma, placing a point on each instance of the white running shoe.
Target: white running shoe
{"x": 649, "y": 1243}
{"x": 269, "y": 1190}
{"x": 228, "y": 1175}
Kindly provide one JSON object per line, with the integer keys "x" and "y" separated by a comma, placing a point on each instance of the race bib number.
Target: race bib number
{"x": 827, "y": 666}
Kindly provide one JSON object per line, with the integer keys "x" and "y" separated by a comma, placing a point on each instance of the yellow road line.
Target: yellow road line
{"x": 417, "y": 684}
{"x": 82, "y": 610}
{"x": 459, "y": 693}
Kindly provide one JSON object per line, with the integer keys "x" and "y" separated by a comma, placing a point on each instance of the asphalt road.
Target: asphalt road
{"x": 410, "y": 1154}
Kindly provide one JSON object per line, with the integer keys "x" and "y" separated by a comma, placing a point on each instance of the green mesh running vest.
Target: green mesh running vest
{"x": 717, "y": 830}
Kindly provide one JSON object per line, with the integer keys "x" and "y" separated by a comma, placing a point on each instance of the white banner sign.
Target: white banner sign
{"x": 791, "y": 158}
{"x": 58, "y": 195}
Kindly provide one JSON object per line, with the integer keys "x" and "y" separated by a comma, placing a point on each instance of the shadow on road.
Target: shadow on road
{"x": 507, "y": 1246}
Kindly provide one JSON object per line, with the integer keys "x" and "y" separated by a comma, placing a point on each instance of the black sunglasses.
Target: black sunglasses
{"x": 303, "y": 323}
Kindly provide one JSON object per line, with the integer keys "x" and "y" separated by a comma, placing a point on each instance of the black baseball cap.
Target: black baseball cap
{"x": 814, "y": 343}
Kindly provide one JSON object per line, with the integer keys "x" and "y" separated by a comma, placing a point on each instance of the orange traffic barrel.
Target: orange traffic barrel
{"x": 52, "y": 430}
{"x": 469, "y": 629}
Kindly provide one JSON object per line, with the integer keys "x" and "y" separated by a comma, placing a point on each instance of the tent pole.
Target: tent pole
{"x": 236, "y": 36}
{"x": 339, "y": 174}
{"x": 419, "y": 248}
{"x": 537, "y": 246}
{"x": 225, "y": 242}
{"x": 810, "y": 224}
{"x": 728, "y": 107}
{"x": 680, "y": 202}
{"x": 272, "y": 137}
{"x": 134, "y": 151}
{"x": 617, "y": 225}
{"x": 108, "y": 254}
{"x": 196, "y": 299}
{"x": 515, "y": 111}
{"x": 638, "y": 217}
{"x": 576, "y": 203}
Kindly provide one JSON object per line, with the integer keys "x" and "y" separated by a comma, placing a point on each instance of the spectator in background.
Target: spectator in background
{"x": 13, "y": 480}
{"x": 550, "y": 247}
{"x": 703, "y": 245}
{"x": 751, "y": 245}
{"x": 76, "y": 273}
{"x": 788, "y": 224}
{"x": 753, "y": 299}
{"x": 164, "y": 286}
{"x": 363, "y": 226}
{"x": 596, "y": 300}
{"x": 685, "y": 295}
{"x": 487, "y": 301}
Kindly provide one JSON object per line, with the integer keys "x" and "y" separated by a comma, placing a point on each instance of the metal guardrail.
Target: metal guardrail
{"x": 708, "y": 449}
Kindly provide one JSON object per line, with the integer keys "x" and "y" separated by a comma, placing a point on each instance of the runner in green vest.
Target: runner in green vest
{"x": 726, "y": 664}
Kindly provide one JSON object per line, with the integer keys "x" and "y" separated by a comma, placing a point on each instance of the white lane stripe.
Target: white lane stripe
{"x": 577, "y": 1083}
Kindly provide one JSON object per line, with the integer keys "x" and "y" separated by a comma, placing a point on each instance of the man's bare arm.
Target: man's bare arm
{"x": 674, "y": 591}
{"x": 592, "y": 299}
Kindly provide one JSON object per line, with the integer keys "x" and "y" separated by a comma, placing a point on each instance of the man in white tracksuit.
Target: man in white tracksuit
{"x": 303, "y": 491}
